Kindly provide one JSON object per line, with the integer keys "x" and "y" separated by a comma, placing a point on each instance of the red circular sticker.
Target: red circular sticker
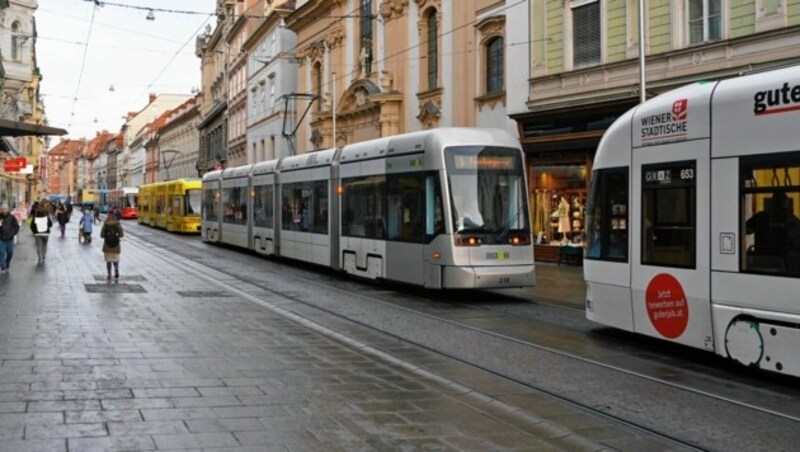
{"x": 666, "y": 305}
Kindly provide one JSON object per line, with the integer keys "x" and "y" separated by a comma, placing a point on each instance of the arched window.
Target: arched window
{"x": 317, "y": 75}
{"x": 495, "y": 62}
{"x": 433, "y": 50}
{"x": 16, "y": 42}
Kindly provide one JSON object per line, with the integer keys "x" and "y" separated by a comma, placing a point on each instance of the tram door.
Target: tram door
{"x": 670, "y": 281}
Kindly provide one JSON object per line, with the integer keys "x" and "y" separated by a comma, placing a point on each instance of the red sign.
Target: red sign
{"x": 14, "y": 165}
{"x": 667, "y": 306}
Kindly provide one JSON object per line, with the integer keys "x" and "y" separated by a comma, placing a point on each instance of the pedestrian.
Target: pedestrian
{"x": 9, "y": 227}
{"x": 97, "y": 214}
{"x": 111, "y": 233}
{"x": 85, "y": 226}
{"x": 62, "y": 217}
{"x": 40, "y": 226}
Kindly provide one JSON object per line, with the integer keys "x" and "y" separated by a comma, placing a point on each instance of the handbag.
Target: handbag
{"x": 41, "y": 224}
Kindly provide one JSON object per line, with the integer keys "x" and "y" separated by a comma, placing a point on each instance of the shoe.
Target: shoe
{"x": 3, "y": 270}
{"x": 116, "y": 275}
{"x": 109, "y": 276}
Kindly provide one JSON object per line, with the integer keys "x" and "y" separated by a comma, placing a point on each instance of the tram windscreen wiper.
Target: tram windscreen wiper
{"x": 502, "y": 236}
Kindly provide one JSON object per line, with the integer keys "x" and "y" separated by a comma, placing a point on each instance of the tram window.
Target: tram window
{"x": 210, "y": 205}
{"x": 669, "y": 213}
{"x": 770, "y": 211}
{"x": 160, "y": 204}
{"x": 262, "y": 206}
{"x": 607, "y": 216}
{"x": 305, "y": 207}
{"x": 234, "y": 205}
{"x": 364, "y": 206}
{"x": 406, "y": 207}
{"x": 192, "y": 202}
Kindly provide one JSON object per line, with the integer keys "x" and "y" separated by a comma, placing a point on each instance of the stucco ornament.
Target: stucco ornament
{"x": 429, "y": 114}
{"x": 391, "y": 9}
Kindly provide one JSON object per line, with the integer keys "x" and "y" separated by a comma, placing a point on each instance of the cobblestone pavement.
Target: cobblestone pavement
{"x": 167, "y": 358}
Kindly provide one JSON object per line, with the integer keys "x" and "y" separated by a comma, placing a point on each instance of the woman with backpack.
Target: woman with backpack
{"x": 111, "y": 233}
{"x": 40, "y": 226}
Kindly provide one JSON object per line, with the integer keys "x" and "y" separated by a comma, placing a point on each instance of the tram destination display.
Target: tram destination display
{"x": 669, "y": 176}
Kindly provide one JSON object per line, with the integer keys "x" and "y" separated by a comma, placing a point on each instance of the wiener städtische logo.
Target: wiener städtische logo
{"x": 667, "y": 126}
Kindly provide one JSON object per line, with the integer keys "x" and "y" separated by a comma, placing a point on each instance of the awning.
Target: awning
{"x": 10, "y": 128}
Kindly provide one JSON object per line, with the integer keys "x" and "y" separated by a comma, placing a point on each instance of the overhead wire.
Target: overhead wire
{"x": 83, "y": 66}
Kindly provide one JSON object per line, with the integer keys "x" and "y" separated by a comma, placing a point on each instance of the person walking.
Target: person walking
{"x": 85, "y": 226}
{"x": 62, "y": 217}
{"x": 9, "y": 227}
{"x": 40, "y": 226}
{"x": 111, "y": 233}
{"x": 97, "y": 214}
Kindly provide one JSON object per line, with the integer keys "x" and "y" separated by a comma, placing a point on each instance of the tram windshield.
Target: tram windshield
{"x": 487, "y": 189}
{"x": 129, "y": 200}
{"x": 193, "y": 202}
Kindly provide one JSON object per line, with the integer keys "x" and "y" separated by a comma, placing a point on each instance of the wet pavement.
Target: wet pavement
{"x": 175, "y": 355}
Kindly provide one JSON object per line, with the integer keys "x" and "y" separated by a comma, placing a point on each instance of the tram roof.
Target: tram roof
{"x": 212, "y": 175}
{"x": 237, "y": 171}
{"x": 267, "y": 167}
{"x": 309, "y": 160}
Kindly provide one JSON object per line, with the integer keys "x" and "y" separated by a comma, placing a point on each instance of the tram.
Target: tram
{"x": 172, "y": 205}
{"x": 693, "y": 231}
{"x": 443, "y": 209}
{"x": 127, "y": 200}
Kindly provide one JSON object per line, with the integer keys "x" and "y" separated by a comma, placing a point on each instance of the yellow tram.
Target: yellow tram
{"x": 172, "y": 205}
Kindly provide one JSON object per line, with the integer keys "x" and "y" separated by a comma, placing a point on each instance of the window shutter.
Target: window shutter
{"x": 586, "y": 35}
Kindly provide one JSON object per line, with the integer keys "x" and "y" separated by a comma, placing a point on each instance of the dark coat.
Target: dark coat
{"x": 9, "y": 227}
{"x": 111, "y": 222}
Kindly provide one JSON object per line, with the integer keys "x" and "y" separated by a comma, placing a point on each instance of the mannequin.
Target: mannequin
{"x": 563, "y": 216}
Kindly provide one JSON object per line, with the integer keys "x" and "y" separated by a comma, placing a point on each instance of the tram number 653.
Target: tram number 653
{"x": 687, "y": 174}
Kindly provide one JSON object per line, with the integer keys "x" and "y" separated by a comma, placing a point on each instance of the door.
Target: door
{"x": 671, "y": 251}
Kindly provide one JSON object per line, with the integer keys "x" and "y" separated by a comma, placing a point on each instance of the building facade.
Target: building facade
{"x": 178, "y": 142}
{"x": 212, "y": 50}
{"x": 583, "y": 74}
{"x": 132, "y": 168}
{"x": 399, "y": 66}
{"x": 20, "y": 100}
{"x": 272, "y": 74}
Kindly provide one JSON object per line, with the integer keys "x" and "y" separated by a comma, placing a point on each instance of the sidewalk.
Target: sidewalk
{"x": 165, "y": 358}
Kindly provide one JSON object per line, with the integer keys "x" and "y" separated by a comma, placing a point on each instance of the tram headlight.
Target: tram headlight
{"x": 519, "y": 240}
{"x": 468, "y": 241}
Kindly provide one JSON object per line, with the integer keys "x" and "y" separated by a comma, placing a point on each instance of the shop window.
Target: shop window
{"x": 669, "y": 213}
{"x": 770, "y": 211}
{"x": 607, "y": 216}
{"x": 559, "y": 197}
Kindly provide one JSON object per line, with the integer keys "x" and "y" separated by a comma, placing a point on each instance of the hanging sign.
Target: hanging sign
{"x": 14, "y": 165}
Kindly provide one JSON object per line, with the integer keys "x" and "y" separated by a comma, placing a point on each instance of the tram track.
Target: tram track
{"x": 483, "y": 332}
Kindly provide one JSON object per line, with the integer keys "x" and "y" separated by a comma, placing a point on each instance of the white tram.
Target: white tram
{"x": 693, "y": 230}
{"x": 444, "y": 209}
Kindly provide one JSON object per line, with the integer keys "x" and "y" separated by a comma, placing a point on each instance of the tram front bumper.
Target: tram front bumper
{"x": 489, "y": 277}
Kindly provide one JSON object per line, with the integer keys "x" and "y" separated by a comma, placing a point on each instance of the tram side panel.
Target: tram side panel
{"x": 263, "y": 191}
{"x": 212, "y": 207}
{"x": 363, "y": 245}
{"x": 235, "y": 200}
{"x": 304, "y": 215}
